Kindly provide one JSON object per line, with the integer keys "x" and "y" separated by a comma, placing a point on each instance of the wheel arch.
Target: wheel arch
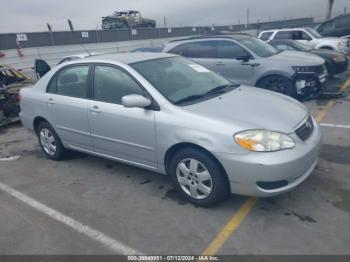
{"x": 272, "y": 74}
{"x": 175, "y": 148}
{"x": 37, "y": 120}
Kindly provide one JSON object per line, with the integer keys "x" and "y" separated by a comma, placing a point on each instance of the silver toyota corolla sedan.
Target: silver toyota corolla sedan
{"x": 168, "y": 114}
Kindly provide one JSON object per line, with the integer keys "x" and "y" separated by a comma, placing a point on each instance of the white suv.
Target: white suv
{"x": 309, "y": 37}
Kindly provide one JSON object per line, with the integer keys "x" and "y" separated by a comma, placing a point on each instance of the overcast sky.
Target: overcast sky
{"x": 32, "y": 15}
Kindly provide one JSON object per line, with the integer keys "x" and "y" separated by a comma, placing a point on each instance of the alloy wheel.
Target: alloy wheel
{"x": 47, "y": 141}
{"x": 194, "y": 178}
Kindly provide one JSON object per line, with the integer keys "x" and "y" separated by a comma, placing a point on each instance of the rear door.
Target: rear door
{"x": 66, "y": 102}
{"x": 201, "y": 52}
{"x": 124, "y": 133}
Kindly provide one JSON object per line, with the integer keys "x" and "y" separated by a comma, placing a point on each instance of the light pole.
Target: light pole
{"x": 329, "y": 8}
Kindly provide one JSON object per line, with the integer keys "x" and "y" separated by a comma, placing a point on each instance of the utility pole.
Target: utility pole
{"x": 70, "y": 24}
{"x": 329, "y": 9}
{"x": 248, "y": 14}
{"x": 164, "y": 22}
{"x": 345, "y": 10}
{"x": 49, "y": 26}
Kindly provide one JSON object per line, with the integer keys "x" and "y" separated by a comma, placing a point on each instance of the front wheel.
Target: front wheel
{"x": 198, "y": 177}
{"x": 278, "y": 84}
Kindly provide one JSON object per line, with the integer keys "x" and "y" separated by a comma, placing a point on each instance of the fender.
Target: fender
{"x": 272, "y": 73}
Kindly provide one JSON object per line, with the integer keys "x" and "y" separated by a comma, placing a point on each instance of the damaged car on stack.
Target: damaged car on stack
{"x": 11, "y": 81}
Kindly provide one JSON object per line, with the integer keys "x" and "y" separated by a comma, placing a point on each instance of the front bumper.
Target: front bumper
{"x": 246, "y": 172}
{"x": 309, "y": 84}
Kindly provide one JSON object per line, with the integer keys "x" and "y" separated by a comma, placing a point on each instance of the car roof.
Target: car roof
{"x": 220, "y": 36}
{"x": 129, "y": 58}
{"x": 284, "y": 29}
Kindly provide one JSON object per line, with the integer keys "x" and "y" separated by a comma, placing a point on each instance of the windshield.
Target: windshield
{"x": 313, "y": 33}
{"x": 258, "y": 46}
{"x": 178, "y": 78}
{"x": 301, "y": 46}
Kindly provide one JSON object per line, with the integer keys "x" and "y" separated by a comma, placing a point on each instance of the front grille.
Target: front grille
{"x": 306, "y": 129}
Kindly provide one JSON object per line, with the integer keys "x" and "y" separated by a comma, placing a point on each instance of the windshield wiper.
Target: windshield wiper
{"x": 188, "y": 99}
{"x": 221, "y": 89}
{"x": 217, "y": 90}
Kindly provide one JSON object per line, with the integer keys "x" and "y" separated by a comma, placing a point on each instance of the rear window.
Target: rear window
{"x": 266, "y": 36}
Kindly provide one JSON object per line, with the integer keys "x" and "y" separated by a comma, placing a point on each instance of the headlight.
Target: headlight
{"x": 339, "y": 59}
{"x": 343, "y": 44}
{"x": 302, "y": 69}
{"x": 263, "y": 140}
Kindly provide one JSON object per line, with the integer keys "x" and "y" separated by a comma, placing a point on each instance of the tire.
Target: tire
{"x": 49, "y": 142}
{"x": 279, "y": 84}
{"x": 190, "y": 183}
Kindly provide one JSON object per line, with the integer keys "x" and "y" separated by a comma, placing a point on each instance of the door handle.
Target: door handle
{"x": 220, "y": 63}
{"x": 95, "y": 109}
{"x": 251, "y": 64}
{"x": 50, "y": 101}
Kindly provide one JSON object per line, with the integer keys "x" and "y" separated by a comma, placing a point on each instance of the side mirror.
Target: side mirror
{"x": 135, "y": 101}
{"x": 244, "y": 58}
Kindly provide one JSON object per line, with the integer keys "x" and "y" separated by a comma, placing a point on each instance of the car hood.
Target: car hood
{"x": 296, "y": 58}
{"x": 332, "y": 39}
{"x": 326, "y": 53}
{"x": 252, "y": 108}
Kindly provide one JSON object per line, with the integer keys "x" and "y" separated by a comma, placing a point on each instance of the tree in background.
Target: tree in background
{"x": 329, "y": 8}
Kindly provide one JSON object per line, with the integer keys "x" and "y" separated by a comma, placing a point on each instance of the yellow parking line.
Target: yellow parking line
{"x": 230, "y": 227}
{"x": 248, "y": 205}
{"x": 331, "y": 103}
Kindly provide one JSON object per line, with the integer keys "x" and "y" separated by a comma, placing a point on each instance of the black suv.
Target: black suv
{"x": 338, "y": 26}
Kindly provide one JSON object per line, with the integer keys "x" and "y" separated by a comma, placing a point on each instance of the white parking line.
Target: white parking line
{"x": 108, "y": 242}
{"x": 333, "y": 125}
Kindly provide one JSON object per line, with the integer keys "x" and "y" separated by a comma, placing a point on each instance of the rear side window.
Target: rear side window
{"x": 111, "y": 84}
{"x": 72, "y": 81}
{"x": 266, "y": 36}
{"x": 283, "y": 35}
{"x": 201, "y": 49}
{"x": 227, "y": 49}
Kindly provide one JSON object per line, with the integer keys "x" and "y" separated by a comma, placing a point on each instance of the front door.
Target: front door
{"x": 127, "y": 134}
{"x": 234, "y": 62}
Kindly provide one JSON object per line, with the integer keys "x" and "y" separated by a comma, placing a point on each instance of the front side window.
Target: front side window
{"x": 201, "y": 49}
{"x": 178, "y": 78}
{"x": 282, "y": 47}
{"x": 111, "y": 84}
{"x": 72, "y": 81}
{"x": 257, "y": 46}
{"x": 227, "y": 49}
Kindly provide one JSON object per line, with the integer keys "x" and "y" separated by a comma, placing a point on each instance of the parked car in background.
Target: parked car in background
{"x": 309, "y": 37}
{"x": 41, "y": 67}
{"x": 247, "y": 60}
{"x": 171, "y": 115}
{"x": 338, "y": 26}
{"x": 336, "y": 62}
{"x": 155, "y": 49}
